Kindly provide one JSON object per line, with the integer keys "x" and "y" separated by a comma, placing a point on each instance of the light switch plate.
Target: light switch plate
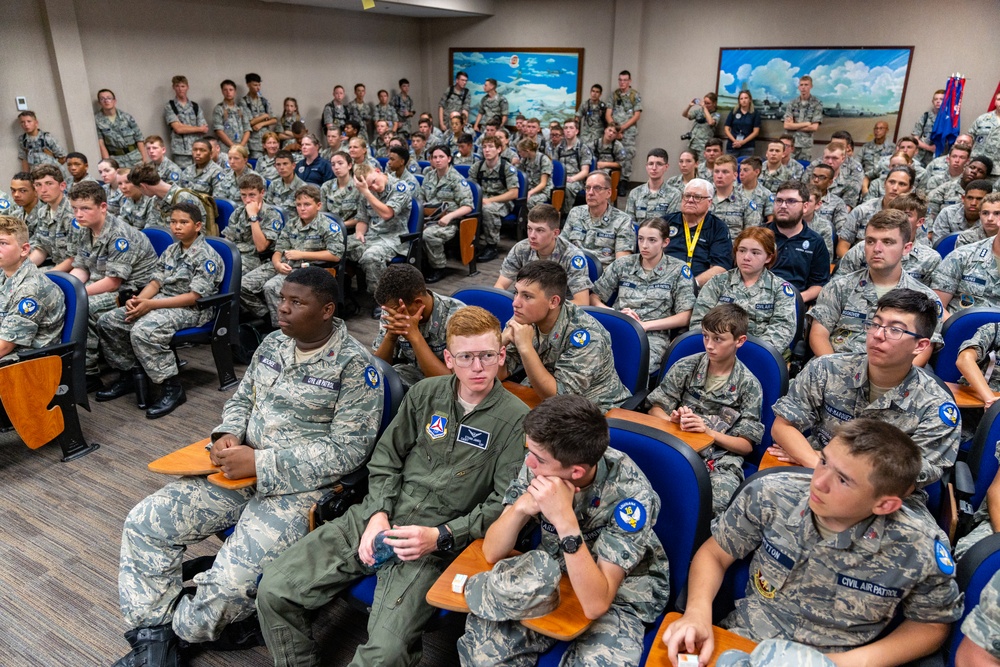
{"x": 22, "y": 103}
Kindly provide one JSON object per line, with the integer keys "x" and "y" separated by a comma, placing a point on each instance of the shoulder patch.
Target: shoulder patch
{"x": 4, "y": 204}
{"x": 942, "y": 554}
{"x": 465, "y": 183}
{"x": 27, "y": 307}
{"x": 121, "y": 244}
{"x": 372, "y": 378}
{"x": 277, "y": 225}
{"x": 513, "y": 169}
{"x": 218, "y": 176}
{"x": 787, "y": 289}
{"x": 673, "y": 231}
{"x": 334, "y": 227}
{"x": 753, "y": 205}
{"x": 579, "y": 338}
{"x": 949, "y": 414}
{"x": 401, "y": 186}
{"x": 630, "y": 515}
{"x": 686, "y": 272}
{"x": 76, "y": 225}
{"x": 174, "y": 176}
{"x": 210, "y": 267}
{"x": 578, "y": 262}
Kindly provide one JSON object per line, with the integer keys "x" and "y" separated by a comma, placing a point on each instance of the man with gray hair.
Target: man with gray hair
{"x": 697, "y": 237}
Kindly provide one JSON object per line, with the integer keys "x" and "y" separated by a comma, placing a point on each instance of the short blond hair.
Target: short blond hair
{"x": 14, "y": 227}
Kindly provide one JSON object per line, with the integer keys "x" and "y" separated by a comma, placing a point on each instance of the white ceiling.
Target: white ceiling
{"x": 414, "y": 8}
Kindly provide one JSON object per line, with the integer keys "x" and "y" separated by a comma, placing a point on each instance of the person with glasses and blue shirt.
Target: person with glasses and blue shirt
{"x": 849, "y": 300}
{"x": 803, "y": 259}
{"x": 697, "y": 237}
{"x": 881, "y": 383}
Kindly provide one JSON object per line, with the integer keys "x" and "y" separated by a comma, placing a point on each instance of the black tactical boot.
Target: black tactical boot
{"x": 171, "y": 396}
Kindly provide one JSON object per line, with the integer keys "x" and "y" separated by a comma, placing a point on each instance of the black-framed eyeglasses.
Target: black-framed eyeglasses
{"x": 687, "y": 197}
{"x": 890, "y": 333}
{"x": 787, "y": 202}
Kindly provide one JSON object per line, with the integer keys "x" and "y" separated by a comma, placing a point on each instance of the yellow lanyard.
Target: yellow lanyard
{"x": 691, "y": 243}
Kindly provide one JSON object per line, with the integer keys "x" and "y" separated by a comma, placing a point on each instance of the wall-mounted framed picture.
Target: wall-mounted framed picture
{"x": 539, "y": 82}
{"x": 858, "y": 86}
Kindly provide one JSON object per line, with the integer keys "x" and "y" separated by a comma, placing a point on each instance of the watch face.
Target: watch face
{"x": 571, "y": 544}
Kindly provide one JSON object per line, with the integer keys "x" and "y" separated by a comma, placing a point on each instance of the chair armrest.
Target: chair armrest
{"x": 636, "y": 400}
{"x": 965, "y": 486}
{"x": 56, "y": 350}
{"x": 207, "y": 302}
{"x": 406, "y": 238}
{"x": 349, "y": 490}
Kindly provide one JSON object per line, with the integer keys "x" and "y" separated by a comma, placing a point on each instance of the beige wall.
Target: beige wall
{"x": 671, "y": 47}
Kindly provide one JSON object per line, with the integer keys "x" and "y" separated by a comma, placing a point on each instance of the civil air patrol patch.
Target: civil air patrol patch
{"x": 465, "y": 183}
{"x": 761, "y": 586}
{"x": 27, "y": 307}
{"x": 940, "y": 310}
{"x": 578, "y": 262}
{"x": 630, "y": 515}
{"x": 438, "y": 426}
{"x": 277, "y": 225}
{"x": 76, "y": 225}
{"x": 949, "y": 414}
{"x": 787, "y": 289}
{"x": 686, "y": 272}
{"x": 753, "y": 205}
{"x": 334, "y": 227}
{"x": 174, "y": 176}
{"x": 942, "y": 554}
{"x": 4, "y": 204}
{"x": 121, "y": 244}
{"x": 401, "y": 186}
{"x": 371, "y": 377}
{"x": 579, "y": 338}
{"x": 210, "y": 267}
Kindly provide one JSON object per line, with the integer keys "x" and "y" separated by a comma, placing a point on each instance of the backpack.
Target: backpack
{"x": 194, "y": 105}
{"x": 211, "y": 211}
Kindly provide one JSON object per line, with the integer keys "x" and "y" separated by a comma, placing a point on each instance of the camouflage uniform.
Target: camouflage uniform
{"x": 982, "y": 625}
{"x": 849, "y": 299}
{"x": 934, "y": 180}
{"x": 382, "y": 238}
{"x": 386, "y": 113}
{"x": 493, "y": 107}
{"x": 795, "y": 170}
{"x": 772, "y": 179}
{"x": 310, "y": 423}
{"x": 228, "y": 186}
{"x": 30, "y": 218}
{"x": 404, "y": 110}
{"x": 334, "y": 114}
{"x": 452, "y": 101}
{"x": 174, "y": 195}
{"x": 644, "y": 204}
{"x": 577, "y": 352}
{"x": 985, "y": 132}
{"x": 701, "y": 131}
{"x": 770, "y": 302}
{"x": 920, "y": 263}
{"x": 804, "y": 111}
{"x": 764, "y": 199}
{"x": 205, "y": 180}
{"x": 734, "y": 409}
{"x": 569, "y": 256}
{"x": 856, "y": 221}
{"x": 433, "y": 331}
{"x": 36, "y": 150}
{"x": 121, "y": 135}
{"x": 833, "y": 389}
{"x": 114, "y": 197}
{"x": 533, "y": 171}
{"x": 830, "y": 215}
{"x": 120, "y": 251}
{"x": 950, "y": 219}
{"x": 605, "y": 236}
{"x": 266, "y": 169}
{"x": 8, "y": 207}
{"x": 973, "y": 234}
{"x": 611, "y": 535}
{"x": 340, "y": 202}
{"x": 454, "y": 191}
{"x": 283, "y": 196}
{"x": 984, "y": 341}
{"x": 883, "y": 168}
{"x": 188, "y": 113}
{"x": 922, "y": 129}
{"x": 239, "y": 231}
{"x": 362, "y": 113}
{"x": 623, "y": 107}
{"x": 592, "y": 120}
{"x": 665, "y": 291}
{"x": 32, "y": 310}
{"x": 169, "y": 171}
{"x": 432, "y": 467}
{"x": 738, "y": 212}
{"x": 493, "y": 183}
{"x": 947, "y": 194}
{"x": 867, "y": 572}
{"x": 146, "y": 341}
{"x": 253, "y": 107}
{"x": 140, "y": 214}
{"x": 459, "y": 160}
{"x": 775, "y": 653}
{"x": 872, "y": 152}
{"x": 57, "y": 232}
{"x": 573, "y": 160}
{"x": 613, "y": 152}
{"x": 970, "y": 275}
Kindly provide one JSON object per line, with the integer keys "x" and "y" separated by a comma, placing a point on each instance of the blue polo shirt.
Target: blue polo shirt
{"x": 714, "y": 247}
{"x": 317, "y": 173}
{"x": 803, "y": 259}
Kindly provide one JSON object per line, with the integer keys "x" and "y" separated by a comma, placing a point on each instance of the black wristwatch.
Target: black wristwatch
{"x": 446, "y": 541}
{"x": 571, "y": 544}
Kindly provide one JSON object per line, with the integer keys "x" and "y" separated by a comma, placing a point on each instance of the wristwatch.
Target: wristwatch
{"x": 571, "y": 544}
{"x": 446, "y": 541}
{"x": 254, "y": 218}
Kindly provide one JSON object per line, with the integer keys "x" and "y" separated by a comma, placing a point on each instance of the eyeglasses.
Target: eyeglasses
{"x": 595, "y": 188}
{"x": 105, "y": 99}
{"x": 486, "y": 358}
{"x": 787, "y": 202}
{"x": 694, "y": 198}
{"x": 890, "y": 333}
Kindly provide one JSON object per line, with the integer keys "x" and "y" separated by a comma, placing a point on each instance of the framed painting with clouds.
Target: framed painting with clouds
{"x": 539, "y": 83}
{"x": 858, "y": 86}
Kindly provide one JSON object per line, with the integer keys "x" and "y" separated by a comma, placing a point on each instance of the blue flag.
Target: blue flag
{"x": 947, "y": 125}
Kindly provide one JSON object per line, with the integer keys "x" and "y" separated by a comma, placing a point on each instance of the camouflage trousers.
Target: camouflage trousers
{"x": 372, "y": 256}
{"x": 250, "y": 260}
{"x": 97, "y": 305}
{"x": 493, "y": 214}
{"x": 252, "y": 289}
{"x": 410, "y": 374}
{"x": 322, "y": 565}
{"x": 775, "y": 653}
{"x": 613, "y": 640}
{"x": 146, "y": 341}
{"x": 572, "y": 190}
{"x": 726, "y": 477}
{"x": 158, "y": 530}
{"x": 130, "y": 159}
{"x": 272, "y": 296}
{"x": 983, "y": 530}
{"x": 182, "y": 161}
{"x": 629, "y": 137}
{"x": 659, "y": 341}
{"x": 540, "y": 198}
{"x": 435, "y": 236}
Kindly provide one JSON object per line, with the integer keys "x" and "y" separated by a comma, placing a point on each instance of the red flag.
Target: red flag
{"x": 993, "y": 100}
